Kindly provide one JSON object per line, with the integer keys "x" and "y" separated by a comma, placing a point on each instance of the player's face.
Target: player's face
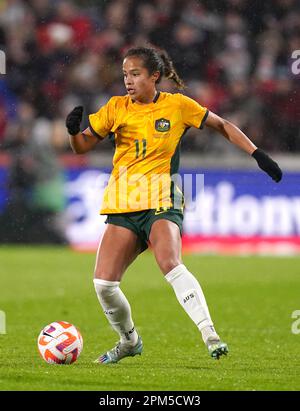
{"x": 139, "y": 84}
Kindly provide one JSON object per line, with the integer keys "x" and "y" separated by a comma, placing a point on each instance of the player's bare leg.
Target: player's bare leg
{"x": 166, "y": 244}
{"x": 117, "y": 250}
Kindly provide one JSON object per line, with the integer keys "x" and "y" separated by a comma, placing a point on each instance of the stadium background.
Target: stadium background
{"x": 236, "y": 58}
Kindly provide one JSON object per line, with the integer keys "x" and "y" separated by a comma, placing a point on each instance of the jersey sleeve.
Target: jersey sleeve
{"x": 103, "y": 121}
{"x": 193, "y": 114}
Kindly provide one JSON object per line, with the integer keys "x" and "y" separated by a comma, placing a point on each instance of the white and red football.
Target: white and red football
{"x": 60, "y": 343}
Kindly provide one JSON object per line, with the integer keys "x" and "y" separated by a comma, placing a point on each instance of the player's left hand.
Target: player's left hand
{"x": 267, "y": 164}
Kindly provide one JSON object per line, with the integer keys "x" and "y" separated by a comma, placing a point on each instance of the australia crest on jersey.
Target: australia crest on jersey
{"x": 162, "y": 125}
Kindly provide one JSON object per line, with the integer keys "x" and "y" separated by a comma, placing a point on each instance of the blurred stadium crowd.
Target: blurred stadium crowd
{"x": 235, "y": 57}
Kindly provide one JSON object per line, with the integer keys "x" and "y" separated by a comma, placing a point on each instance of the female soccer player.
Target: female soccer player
{"x": 141, "y": 201}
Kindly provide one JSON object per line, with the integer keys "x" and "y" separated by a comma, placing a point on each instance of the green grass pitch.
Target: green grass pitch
{"x": 251, "y": 300}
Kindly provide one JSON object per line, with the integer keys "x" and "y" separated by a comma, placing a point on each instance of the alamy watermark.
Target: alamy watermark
{"x": 127, "y": 192}
{"x": 2, "y": 62}
{"x": 296, "y": 324}
{"x": 2, "y": 322}
{"x": 296, "y": 63}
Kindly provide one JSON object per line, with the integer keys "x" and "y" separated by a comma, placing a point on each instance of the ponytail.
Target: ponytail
{"x": 170, "y": 72}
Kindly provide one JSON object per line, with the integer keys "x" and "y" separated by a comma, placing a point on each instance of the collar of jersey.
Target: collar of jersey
{"x": 156, "y": 97}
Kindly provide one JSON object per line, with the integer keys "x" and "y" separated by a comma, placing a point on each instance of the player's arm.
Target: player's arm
{"x": 237, "y": 137}
{"x": 81, "y": 142}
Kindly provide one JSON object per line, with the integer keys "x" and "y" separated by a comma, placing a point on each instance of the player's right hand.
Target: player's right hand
{"x": 73, "y": 120}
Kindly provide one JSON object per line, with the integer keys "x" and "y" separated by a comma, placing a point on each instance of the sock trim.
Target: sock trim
{"x": 175, "y": 272}
{"x": 203, "y": 324}
{"x": 99, "y": 281}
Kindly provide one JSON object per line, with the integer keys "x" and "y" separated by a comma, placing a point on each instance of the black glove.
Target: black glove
{"x": 267, "y": 164}
{"x": 73, "y": 120}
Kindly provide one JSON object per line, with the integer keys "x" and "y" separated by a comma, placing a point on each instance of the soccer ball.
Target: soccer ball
{"x": 60, "y": 343}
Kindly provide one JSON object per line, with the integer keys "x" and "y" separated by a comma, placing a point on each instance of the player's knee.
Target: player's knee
{"x": 107, "y": 274}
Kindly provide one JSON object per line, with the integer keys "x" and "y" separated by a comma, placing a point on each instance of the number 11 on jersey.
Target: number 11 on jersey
{"x": 140, "y": 150}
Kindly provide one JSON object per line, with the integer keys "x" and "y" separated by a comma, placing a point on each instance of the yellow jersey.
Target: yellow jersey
{"x": 147, "y": 144}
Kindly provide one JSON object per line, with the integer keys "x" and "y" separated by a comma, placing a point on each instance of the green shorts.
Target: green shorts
{"x": 140, "y": 222}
